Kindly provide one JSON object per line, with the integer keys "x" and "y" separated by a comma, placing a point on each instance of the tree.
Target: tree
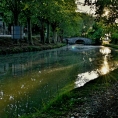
{"x": 88, "y": 22}
{"x": 107, "y": 12}
{"x": 14, "y": 6}
{"x": 53, "y": 13}
{"x": 27, "y": 12}
{"x": 17, "y": 8}
{"x": 114, "y": 37}
{"x": 64, "y": 13}
{"x": 72, "y": 26}
{"x": 96, "y": 33}
{"x": 103, "y": 6}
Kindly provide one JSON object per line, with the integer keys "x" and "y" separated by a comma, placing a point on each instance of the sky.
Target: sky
{"x": 85, "y": 8}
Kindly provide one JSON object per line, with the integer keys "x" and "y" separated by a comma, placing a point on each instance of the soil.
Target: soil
{"x": 98, "y": 105}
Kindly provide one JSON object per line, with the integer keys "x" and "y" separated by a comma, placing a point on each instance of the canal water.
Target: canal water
{"x": 28, "y": 81}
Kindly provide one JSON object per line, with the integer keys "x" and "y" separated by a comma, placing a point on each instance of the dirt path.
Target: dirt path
{"x": 99, "y": 105}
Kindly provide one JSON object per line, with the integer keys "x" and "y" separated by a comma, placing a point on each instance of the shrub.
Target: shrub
{"x": 114, "y": 38}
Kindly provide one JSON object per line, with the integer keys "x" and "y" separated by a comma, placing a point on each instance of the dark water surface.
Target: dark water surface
{"x": 24, "y": 82}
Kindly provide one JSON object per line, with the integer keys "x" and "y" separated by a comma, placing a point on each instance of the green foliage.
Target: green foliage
{"x": 87, "y": 23}
{"x": 107, "y": 5}
{"x": 72, "y": 26}
{"x": 101, "y": 4}
{"x": 114, "y": 37}
{"x": 107, "y": 12}
{"x": 59, "y": 14}
{"x": 96, "y": 33}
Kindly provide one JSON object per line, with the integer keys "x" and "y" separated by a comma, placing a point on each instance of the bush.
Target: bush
{"x": 114, "y": 38}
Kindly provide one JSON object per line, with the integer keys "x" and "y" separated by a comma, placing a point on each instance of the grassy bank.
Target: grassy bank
{"x": 8, "y": 47}
{"x": 20, "y": 49}
{"x": 112, "y": 46}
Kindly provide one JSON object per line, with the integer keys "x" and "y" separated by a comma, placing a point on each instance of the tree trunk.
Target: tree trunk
{"x": 48, "y": 33}
{"x": 30, "y": 41}
{"x": 16, "y": 18}
{"x": 54, "y": 30}
{"x": 61, "y": 36}
{"x": 42, "y": 32}
{"x": 54, "y": 38}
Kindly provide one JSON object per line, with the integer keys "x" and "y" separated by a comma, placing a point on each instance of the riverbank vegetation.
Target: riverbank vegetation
{"x": 112, "y": 46}
{"x": 8, "y": 47}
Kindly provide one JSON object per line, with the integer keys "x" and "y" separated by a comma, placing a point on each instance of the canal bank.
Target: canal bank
{"x": 97, "y": 99}
{"x": 8, "y": 47}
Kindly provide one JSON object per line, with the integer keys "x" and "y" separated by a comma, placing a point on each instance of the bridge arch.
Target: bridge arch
{"x": 78, "y": 40}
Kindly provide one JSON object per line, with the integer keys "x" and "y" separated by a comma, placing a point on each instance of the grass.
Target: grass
{"x": 19, "y": 49}
{"x": 8, "y": 47}
{"x": 112, "y": 46}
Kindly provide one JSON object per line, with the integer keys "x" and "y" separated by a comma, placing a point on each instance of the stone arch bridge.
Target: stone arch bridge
{"x": 78, "y": 40}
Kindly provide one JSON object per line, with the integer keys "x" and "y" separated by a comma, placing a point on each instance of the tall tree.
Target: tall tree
{"x": 65, "y": 9}
{"x": 54, "y": 13}
{"x": 14, "y": 6}
{"x": 27, "y": 12}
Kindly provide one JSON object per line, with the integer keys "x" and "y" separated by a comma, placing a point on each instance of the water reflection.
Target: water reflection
{"x": 105, "y": 67}
{"x": 25, "y": 82}
{"x": 105, "y": 50}
{"x": 85, "y": 77}
{"x": 102, "y": 69}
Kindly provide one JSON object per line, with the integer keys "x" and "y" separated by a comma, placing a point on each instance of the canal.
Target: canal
{"x": 28, "y": 81}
